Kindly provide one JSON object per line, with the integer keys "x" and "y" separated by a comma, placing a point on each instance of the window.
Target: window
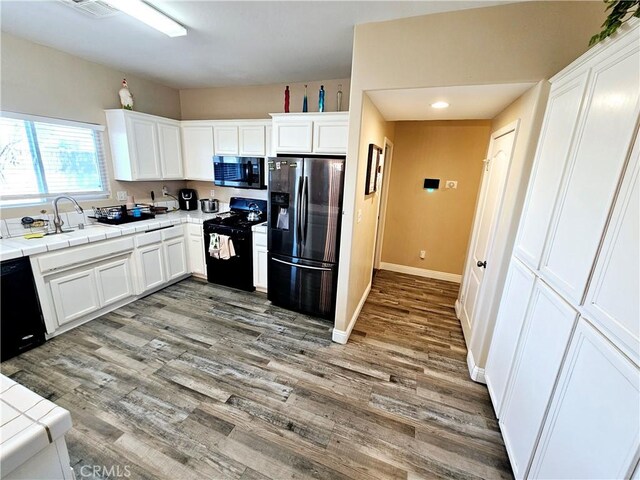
{"x": 41, "y": 158}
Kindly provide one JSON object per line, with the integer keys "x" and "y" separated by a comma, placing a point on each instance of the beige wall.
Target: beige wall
{"x": 519, "y": 42}
{"x": 374, "y": 130}
{"x": 528, "y": 110}
{"x": 39, "y": 80}
{"x": 225, "y": 193}
{"x": 438, "y": 222}
{"x": 258, "y": 101}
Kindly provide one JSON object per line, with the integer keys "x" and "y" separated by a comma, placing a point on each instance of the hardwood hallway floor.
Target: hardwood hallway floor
{"x": 199, "y": 381}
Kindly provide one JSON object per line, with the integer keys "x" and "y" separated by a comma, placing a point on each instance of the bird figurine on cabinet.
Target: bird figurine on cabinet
{"x": 126, "y": 98}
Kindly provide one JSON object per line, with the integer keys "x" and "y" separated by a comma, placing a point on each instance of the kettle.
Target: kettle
{"x": 209, "y": 205}
{"x": 254, "y": 212}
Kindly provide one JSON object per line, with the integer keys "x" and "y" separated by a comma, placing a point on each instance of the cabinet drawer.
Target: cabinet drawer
{"x": 260, "y": 239}
{"x": 173, "y": 232}
{"x": 75, "y": 256}
{"x": 148, "y": 238}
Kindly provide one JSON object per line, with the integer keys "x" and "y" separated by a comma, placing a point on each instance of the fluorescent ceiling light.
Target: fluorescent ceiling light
{"x": 440, "y": 105}
{"x": 149, "y": 15}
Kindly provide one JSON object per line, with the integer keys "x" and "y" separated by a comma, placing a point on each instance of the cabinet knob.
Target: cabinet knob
{"x": 482, "y": 264}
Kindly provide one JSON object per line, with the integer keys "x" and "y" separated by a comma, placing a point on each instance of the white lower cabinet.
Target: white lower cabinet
{"x": 260, "y": 258}
{"x": 74, "y": 294}
{"x": 195, "y": 249}
{"x": 546, "y": 332}
{"x": 151, "y": 264}
{"x": 113, "y": 281}
{"x": 175, "y": 253}
{"x": 592, "y": 429}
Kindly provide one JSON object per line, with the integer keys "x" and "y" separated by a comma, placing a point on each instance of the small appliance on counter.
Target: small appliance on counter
{"x": 209, "y": 205}
{"x": 119, "y": 214}
{"x": 188, "y": 199}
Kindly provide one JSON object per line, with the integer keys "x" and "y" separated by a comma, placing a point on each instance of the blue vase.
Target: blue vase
{"x": 321, "y": 99}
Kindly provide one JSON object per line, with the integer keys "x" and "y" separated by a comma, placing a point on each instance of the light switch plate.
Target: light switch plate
{"x": 212, "y": 192}
{"x": 451, "y": 184}
{"x": 359, "y": 215}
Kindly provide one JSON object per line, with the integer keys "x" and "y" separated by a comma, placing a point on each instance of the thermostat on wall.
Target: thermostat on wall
{"x": 431, "y": 183}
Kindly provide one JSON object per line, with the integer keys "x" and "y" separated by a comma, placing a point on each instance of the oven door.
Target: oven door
{"x": 237, "y": 271}
{"x": 239, "y": 172}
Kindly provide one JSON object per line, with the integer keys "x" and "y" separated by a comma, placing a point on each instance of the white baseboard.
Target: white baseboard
{"x": 476, "y": 373}
{"x": 421, "y": 272}
{"x": 342, "y": 336}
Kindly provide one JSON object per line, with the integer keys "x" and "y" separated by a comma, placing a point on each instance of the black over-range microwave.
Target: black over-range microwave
{"x": 242, "y": 172}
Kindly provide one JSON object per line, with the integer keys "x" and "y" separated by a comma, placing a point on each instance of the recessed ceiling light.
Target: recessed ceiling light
{"x": 440, "y": 105}
{"x": 149, "y": 15}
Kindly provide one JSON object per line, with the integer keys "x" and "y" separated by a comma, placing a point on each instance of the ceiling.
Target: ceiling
{"x": 465, "y": 102}
{"x": 228, "y": 42}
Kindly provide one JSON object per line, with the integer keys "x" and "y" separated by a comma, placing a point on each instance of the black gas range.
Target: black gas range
{"x": 234, "y": 226}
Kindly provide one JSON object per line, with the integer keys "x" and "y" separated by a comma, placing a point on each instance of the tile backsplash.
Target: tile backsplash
{"x": 12, "y": 227}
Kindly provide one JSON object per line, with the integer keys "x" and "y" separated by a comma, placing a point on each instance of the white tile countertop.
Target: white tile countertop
{"x": 15, "y": 247}
{"x": 28, "y": 424}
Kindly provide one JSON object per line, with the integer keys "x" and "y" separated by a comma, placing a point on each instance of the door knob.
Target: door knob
{"x": 482, "y": 264}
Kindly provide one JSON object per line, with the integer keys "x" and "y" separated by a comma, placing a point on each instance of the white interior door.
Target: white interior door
{"x": 492, "y": 190}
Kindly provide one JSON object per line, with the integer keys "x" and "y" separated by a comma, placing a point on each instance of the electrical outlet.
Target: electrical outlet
{"x": 212, "y": 192}
{"x": 359, "y": 215}
{"x": 451, "y": 184}
{"x": 165, "y": 191}
{"x": 121, "y": 195}
{"x": 423, "y": 253}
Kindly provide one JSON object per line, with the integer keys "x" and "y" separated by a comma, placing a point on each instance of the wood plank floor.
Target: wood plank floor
{"x": 199, "y": 381}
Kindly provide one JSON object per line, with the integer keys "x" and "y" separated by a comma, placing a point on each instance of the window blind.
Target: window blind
{"x": 41, "y": 158}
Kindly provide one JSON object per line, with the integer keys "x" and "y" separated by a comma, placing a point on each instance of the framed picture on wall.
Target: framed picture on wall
{"x": 373, "y": 161}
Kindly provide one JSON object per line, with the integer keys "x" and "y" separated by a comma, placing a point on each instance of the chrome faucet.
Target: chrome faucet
{"x": 57, "y": 221}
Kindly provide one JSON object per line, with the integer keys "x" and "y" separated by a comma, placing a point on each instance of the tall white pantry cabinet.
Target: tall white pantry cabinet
{"x": 563, "y": 368}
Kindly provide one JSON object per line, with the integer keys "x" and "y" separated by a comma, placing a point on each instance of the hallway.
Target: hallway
{"x": 199, "y": 381}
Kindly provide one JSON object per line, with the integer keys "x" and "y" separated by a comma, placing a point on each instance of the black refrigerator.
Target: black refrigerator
{"x": 305, "y": 213}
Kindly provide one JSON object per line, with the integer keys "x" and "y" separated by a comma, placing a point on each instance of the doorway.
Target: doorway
{"x": 385, "y": 170}
{"x": 486, "y": 219}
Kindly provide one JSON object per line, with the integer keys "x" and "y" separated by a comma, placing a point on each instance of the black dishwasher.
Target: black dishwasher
{"x": 21, "y": 323}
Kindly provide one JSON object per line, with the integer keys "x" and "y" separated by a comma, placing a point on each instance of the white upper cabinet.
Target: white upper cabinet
{"x": 226, "y": 139}
{"x": 170, "y": 144}
{"x": 244, "y": 138}
{"x": 593, "y": 425}
{"x": 197, "y": 149}
{"x": 612, "y": 298}
{"x": 144, "y": 147}
{"x": 551, "y": 159}
{"x": 252, "y": 140}
{"x": 316, "y": 133}
{"x": 596, "y": 162}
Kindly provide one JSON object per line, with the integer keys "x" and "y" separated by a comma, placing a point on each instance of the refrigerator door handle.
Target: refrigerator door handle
{"x": 299, "y": 211}
{"x": 306, "y": 207}
{"x": 302, "y": 266}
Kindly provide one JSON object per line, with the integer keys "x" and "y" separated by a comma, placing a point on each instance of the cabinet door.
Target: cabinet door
{"x": 612, "y": 298}
{"x": 226, "y": 140}
{"x": 143, "y": 142}
{"x": 151, "y": 264}
{"x": 269, "y": 152}
{"x": 551, "y": 159}
{"x": 252, "y": 142}
{"x": 513, "y": 309}
{"x": 195, "y": 238}
{"x": 605, "y": 137}
{"x": 260, "y": 261}
{"x": 544, "y": 341}
{"x": 593, "y": 426}
{"x": 293, "y": 137}
{"x": 330, "y": 137}
{"x": 74, "y": 295}
{"x": 176, "y": 258}
{"x": 170, "y": 151}
{"x": 197, "y": 145}
{"x": 113, "y": 281}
